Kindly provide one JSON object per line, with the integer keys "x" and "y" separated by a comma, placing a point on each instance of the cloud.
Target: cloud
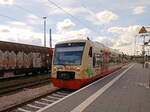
{"x": 14, "y": 34}
{"x": 20, "y": 25}
{"x": 65, "y": 25}
{"x": 106, "y": 16}
{"x": 103, "y": 17}
{"x": 138, "y": 10}
{"x": 122, "y": 43}
{"x": 125, "y": 30}
{"x": 65, "y": 3}
{"x": 5, "y": 2}
{"x": 17, "y": 23}
{"x": 4, "y": 29}
{"x": 105, "y": 40}
{"x": 33, "y": 19}
{"x": 72, "y": 11}
{"x": 78, "y": 34}
{"x": 31, "y": 16}
{"x": 119, "y": 45}
{"x": 125, "y": 37}
{"x": 70, "y": 35}
{"x": 112, "y": 42}
{"x": 28, "y": 36}
{"x": 125, "y": 33}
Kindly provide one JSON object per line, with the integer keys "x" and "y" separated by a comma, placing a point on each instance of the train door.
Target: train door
{"x": 97, "y": 63}
{"x": 89, "y": 66}
{"x": 105, "y": 62}
{"x": 91, "y": 56}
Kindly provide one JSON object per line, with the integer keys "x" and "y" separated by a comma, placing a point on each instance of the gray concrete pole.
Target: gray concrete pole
{"x": 44, "y": 31}
{"x": 50, "y": 36}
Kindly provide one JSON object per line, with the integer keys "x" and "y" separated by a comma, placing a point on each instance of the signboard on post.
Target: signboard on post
{"x": 143, "y": 30}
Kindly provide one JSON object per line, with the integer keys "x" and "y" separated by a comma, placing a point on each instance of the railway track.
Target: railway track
{"x": 43, "y": 101}
{"x": 40, "y": 102}
{"x": 15, "y": 83}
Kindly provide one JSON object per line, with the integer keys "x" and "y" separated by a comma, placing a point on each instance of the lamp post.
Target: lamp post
{"x": 44, "y": 31}
{"x": 50, "y": 38}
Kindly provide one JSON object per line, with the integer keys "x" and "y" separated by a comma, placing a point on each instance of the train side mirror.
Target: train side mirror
{"x": 90, "y": 52}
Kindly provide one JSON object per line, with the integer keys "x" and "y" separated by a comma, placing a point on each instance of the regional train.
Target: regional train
{"x": 18, "y": 59}
{"x": 79, "y": 62}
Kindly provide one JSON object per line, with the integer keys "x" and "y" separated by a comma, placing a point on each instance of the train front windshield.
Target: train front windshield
{"x": 68, "y": 53}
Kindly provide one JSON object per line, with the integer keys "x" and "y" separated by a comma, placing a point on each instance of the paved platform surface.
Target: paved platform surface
{"x": 126, "y": 90}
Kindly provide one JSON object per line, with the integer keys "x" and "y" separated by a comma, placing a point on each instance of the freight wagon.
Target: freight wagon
{"x": 19, "y": 59}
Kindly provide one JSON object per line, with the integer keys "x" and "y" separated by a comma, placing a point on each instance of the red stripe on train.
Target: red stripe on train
{"x": 77, "y": 83}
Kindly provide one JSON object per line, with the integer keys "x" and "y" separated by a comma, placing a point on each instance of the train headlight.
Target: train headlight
{"x": 54, "y": 69}
{"x": 59, "y": 69}
{"x": 78, "y": 69}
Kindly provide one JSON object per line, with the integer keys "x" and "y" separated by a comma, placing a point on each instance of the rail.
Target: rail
{"x": 15, "y": 83}
{"x": 40, "y": 102}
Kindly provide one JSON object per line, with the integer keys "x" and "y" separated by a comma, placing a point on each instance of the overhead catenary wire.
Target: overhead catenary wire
{"x": 22, "y": 8}
{"x": 11, "y": 18}
{"x": 26, "y": 10}
{"x": 14, "y": 19}
{"x": 74, "y": 17}
{"x": 62, "y": 9}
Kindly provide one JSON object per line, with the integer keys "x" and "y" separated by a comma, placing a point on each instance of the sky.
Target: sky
{"x": 114, "y": 23}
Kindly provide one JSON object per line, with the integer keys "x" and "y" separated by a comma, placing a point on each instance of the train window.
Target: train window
{"x": 98, "y": 60}
{"x": 111, "y": 59}
{"x": 90, "y": 52}
{"x": 114, "y": 59}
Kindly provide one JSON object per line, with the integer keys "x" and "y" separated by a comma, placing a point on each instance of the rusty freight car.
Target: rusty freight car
{"x": 19, "y": 59}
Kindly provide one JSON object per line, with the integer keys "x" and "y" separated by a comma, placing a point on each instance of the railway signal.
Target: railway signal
{"x": 143, "y": 33}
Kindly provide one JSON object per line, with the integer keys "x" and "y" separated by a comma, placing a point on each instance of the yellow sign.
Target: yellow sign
{"x": 143, "y": 30}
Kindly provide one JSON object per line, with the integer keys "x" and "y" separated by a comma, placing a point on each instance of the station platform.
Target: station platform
{"x": 126, "y": 90}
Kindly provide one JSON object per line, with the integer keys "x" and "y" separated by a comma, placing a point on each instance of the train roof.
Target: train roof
{"x": 95, "y": 43}
{"x": 98, "y": 44}
{"x": 76, "y": 40}
{"x": 115, "y": 51}
{"x": 6, "y": 42}
{"x": 20, "y": 47}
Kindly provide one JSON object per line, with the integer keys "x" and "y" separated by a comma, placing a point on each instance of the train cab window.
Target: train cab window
{"x": 90, "y": 52}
